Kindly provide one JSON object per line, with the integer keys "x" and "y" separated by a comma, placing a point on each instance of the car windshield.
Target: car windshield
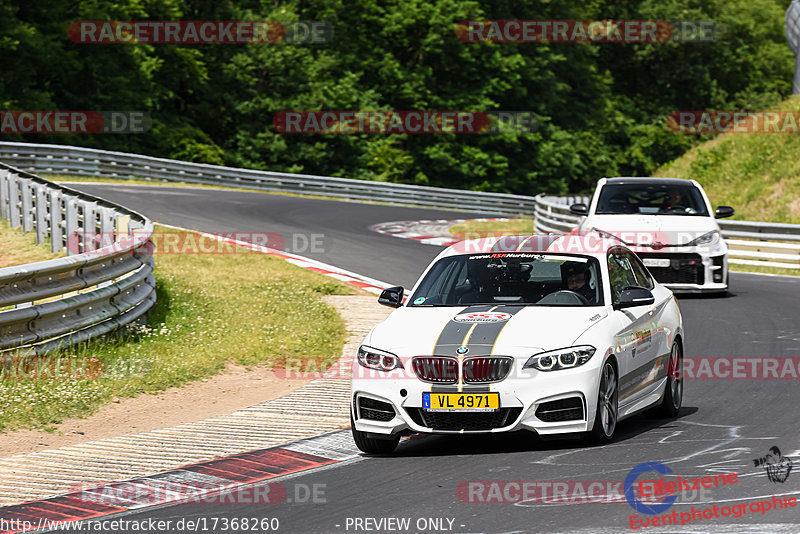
{"x": 651, "y": 199}
{"x": 511, "y": 278}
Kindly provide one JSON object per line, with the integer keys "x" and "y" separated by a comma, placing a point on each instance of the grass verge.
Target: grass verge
{"x": 763, "y": 270}
{"x": 18, "y": 247}
{"x": 244, "y": 307}
{"x": 475, "y": 229}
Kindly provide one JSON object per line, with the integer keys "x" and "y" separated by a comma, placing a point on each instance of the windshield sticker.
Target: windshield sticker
{"x": 493, "y": 255}
{"x": 482, "y": 317}
{"x": 419, "y": 300}
{"x": 528, "y": 256}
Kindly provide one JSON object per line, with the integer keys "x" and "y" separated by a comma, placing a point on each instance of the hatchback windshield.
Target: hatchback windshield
{"x": 651, "y": 199}
{"x": 511, "y": 278}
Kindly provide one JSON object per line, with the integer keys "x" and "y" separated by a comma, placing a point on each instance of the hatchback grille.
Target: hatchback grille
{"x": 683, "y": 269}
{"x": 561, "y": 410}
{"x": 490, "y": 369}
{"x": 464, "y": 421}
{"x": 375, "y": 410}
{"x": 436, "y": 370}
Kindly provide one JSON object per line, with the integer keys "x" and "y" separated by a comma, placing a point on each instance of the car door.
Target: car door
{"x": 633, "y": 339}
{"x": 658, "y": 337}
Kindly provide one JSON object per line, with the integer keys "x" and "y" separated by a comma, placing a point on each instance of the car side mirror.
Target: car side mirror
{"x": 579, "y": 209}
{"x": 392, "y": 297}
{"x": 632, "y": 296}
{"x": 724, "y": 211}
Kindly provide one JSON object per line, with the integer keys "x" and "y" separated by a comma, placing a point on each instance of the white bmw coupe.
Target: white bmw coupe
{"x": 552, "y": 334}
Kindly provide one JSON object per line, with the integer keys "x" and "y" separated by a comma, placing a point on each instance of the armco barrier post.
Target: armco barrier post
{"x": 13, "y": 201}
{"x": 71, "y": 221}
{"x": 89, "y": 225}
{"x": 4, "y": 193}
{"x": 107, "y": 218}
{"x": 41, "y": 214}
{"x": 56, "y": 221}
{"x": 27, "y": 206}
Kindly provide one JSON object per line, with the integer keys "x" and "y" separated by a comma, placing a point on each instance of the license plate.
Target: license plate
{"x": 461, "y": 402}
{"x": 656, "y": 262}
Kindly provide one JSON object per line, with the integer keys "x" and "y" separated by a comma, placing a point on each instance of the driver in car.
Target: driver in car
{"x": 576, "y": 278}
{"x": 673, "y": 201}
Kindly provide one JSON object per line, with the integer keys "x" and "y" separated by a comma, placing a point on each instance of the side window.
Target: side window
{"x": 643, "y": 278}
{"x": 620, "y": 273}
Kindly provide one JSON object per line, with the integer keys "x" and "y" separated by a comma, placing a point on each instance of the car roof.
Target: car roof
{"x": 585, "y": 244}
{"x": 649, "y": 180}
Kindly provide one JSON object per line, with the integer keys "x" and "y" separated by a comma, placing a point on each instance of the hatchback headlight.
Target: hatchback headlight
{"x": 378, "y": 359}
{"x": 705, "y": 239}
{"x": 565, "y": 358}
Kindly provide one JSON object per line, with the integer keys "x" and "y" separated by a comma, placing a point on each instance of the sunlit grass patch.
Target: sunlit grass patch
{"x": 18, "y": 247}
{"x": 763, "y": 269}
{"x": 476, "y": 229}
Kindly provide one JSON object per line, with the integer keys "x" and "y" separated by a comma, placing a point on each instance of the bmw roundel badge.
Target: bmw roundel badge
{"x": 462, "y": 350}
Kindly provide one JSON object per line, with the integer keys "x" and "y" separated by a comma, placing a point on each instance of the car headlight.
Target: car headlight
{"x": 378, "y": 359}
{"x": 705, "y": 239}
{"x": 565, "y": 358}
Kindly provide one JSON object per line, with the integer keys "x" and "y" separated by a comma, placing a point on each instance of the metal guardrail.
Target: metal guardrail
{"x": 749, "y": 242}
{"x": 104, "y": 282}
{"x": 77, "y": 161}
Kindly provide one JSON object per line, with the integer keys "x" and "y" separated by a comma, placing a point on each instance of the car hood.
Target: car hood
{"x": 661, "y": 228}
{"x": 412, "y": 331}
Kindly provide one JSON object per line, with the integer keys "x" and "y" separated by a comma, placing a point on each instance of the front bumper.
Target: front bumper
{"x": 554, "y": 402}
{"x": 691, "y": 272}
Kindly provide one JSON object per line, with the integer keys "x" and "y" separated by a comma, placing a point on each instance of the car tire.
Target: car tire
{"x": 605, "y": 420}
{"x": 672, "y": 399}
{"x": 372, "y": 445}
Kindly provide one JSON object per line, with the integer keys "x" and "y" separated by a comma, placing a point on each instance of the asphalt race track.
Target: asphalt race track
{"x": 724, "y": 425}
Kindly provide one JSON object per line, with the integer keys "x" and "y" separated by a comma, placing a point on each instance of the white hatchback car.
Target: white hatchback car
{"x": 554, "y": 334}
{"x": 669, "y": 223}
